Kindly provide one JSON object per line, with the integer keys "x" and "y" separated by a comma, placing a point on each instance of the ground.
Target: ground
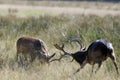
{"x": 33, "y": 10}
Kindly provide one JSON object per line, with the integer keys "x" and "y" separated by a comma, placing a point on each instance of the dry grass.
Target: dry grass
{"x": 57, "y": 29}
{"x": 56, "y": 71}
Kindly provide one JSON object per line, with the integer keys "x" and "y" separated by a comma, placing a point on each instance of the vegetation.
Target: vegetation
{"x": 57, "y": 29}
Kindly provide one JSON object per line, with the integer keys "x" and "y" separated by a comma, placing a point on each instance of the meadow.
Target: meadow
{"x": 57, "y": 29}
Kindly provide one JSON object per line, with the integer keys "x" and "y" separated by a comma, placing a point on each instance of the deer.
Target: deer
{"x": 32, "y": 48}
{"x": 97, "y": 52}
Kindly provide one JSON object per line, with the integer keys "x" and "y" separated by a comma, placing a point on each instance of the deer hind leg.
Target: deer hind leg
{"x": 99, "y": 65}
{"x": 92, "y": 68}
{"x": 77, "y": 71}
{"x": 113, "y": 58}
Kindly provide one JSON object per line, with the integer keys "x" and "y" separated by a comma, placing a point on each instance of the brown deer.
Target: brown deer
{"x": 97, "y": 52}
{"x": 33, "y": 48}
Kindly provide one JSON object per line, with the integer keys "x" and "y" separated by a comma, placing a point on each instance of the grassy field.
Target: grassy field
{"x": 57, "y": 29}
{"x": 62, "y": 27}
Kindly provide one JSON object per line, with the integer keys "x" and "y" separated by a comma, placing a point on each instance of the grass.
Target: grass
{"x": 57, "y": 29}
{"x": 34, "y": 13}
{"x": 26, "y": 13}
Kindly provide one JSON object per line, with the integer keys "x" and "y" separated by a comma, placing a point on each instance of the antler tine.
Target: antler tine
{"x": 60, "y": 48}
{"x": 61, "y": 55}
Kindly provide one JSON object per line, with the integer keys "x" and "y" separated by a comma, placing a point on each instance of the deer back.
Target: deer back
{"x": 27, "y": 45}
{"x": 99, "y": 49}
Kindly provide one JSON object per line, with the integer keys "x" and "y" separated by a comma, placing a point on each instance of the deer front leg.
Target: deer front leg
{"x": 81, "y": 66}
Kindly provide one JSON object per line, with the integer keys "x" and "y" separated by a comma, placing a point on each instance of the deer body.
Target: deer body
{"x": 34, "y": 48}
{"x": 97, "y": 52}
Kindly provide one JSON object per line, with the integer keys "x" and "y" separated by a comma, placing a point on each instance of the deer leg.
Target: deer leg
{"x": 32, "y": 57}
{"x": 77, "y": 71}
{"x": 114, "y": 62}
{"x": 21, "y": 59}
{"x": 99, "y": 65}
{"x": 18, "y": 59}
{"x": 92, "y": 68}
{"x": 26, "y": 60}
{"x": 81, "y": 66}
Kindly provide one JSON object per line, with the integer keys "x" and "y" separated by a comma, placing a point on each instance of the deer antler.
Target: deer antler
{"x": 60, "y": 48}
{"x": 77, "y": 39}
{"x": 61, "y": 55}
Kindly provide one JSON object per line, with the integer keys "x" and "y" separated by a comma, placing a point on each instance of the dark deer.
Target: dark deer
{"x": 34, "y": 48}
{"x": 97, "y": 52}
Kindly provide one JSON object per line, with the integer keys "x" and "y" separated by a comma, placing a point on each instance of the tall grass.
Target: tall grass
{"x": 57, "y": 29}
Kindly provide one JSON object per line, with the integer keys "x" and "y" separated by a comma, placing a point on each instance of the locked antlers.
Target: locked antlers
{"x": 61, "y": 49}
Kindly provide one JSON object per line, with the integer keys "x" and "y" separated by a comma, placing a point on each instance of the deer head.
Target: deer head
{"x": 61, "y": 48}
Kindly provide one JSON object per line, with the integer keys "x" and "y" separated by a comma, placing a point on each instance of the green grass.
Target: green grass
{"x": 57, "y": 29}
{"x": 34, "y": 12}
{"x": 27, "y": 13}
{"x": 3, "y": 12}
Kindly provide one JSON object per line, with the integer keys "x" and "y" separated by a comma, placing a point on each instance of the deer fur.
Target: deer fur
{"x": 97, "y": 52}
{"x": 32, "y": 48}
